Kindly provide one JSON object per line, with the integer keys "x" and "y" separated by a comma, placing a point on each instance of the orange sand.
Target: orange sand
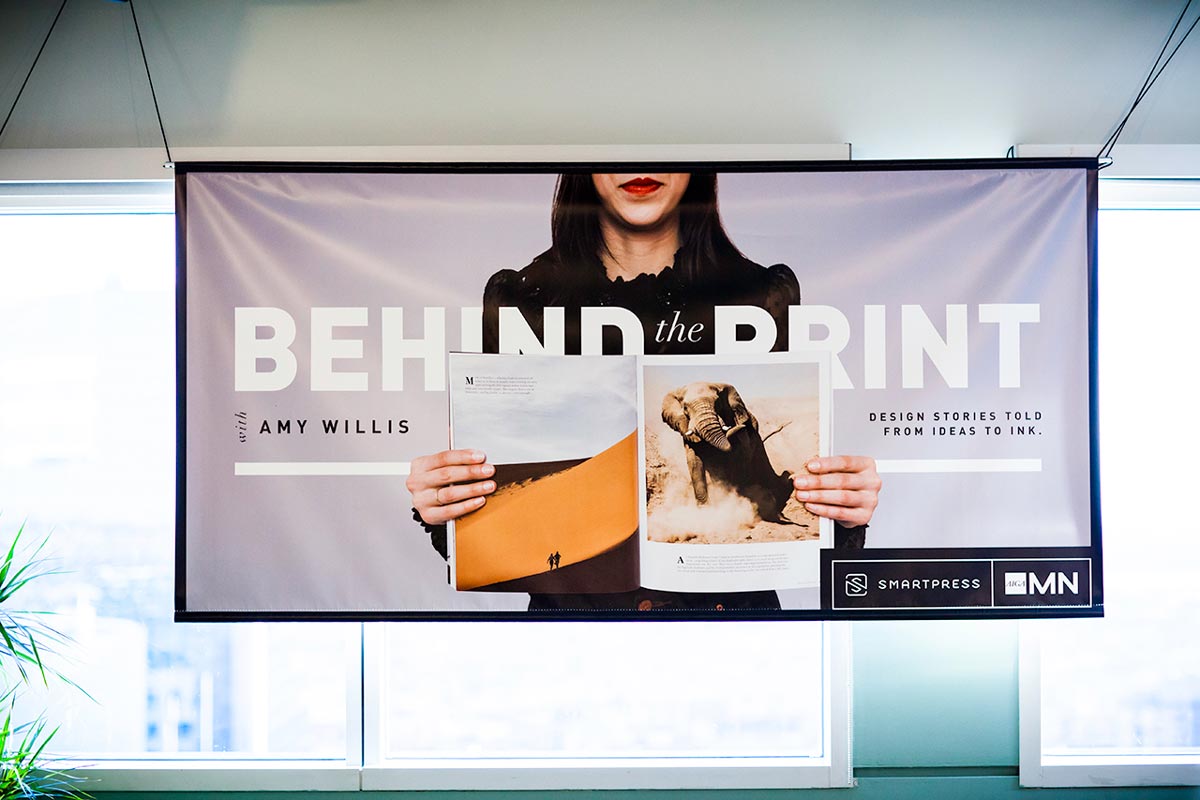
{"x": 579, "y": 512}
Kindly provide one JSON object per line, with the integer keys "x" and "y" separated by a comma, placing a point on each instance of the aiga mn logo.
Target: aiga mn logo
{"x": 1028, "y": 583}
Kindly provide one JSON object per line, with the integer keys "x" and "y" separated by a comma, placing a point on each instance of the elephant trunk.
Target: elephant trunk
{"x": 707, "y": 425}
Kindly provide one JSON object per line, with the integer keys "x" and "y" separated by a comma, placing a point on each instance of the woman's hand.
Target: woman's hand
{"x": 842, "y": 488}
{"x": 449, "y": 484}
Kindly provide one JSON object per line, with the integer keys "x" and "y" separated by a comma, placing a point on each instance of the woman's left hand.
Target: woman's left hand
{"x": 842, "y": 488}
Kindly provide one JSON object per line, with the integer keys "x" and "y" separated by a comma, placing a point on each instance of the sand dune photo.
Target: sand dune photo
{"x": 561, "y": 432}
{"x": 575, "y": 510}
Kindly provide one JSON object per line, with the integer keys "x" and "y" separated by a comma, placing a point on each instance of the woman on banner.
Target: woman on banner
{"x": 653, "y": 244}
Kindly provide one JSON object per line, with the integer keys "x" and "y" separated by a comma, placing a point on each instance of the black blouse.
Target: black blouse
{"x": 676, "y": 314}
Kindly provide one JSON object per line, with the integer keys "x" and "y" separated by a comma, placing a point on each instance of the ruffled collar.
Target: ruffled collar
{"x": 666, "y": 274}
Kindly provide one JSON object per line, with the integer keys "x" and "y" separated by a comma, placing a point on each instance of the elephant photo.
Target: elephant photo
{"x": 722, "y": 443}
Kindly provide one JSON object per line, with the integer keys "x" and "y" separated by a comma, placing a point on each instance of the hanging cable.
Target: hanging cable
{"x": 1151, "y": 78}
{"x": 32, "y": 67}
{"x": 153, "y": 96}
{"x": 1166, "y": 43}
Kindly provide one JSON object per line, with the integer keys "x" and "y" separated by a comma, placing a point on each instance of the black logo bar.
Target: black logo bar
{"x": 870, "y": 584}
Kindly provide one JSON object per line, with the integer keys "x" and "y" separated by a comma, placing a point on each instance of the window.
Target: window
{"x": 572, "y": 705}
{"x": 87, "y": 457}
{"x": 1117, "y": 701}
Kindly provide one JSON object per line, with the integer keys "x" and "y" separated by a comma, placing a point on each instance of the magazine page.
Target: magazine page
{"x": 722, "y": 440}
{"x": 561, "y": 432}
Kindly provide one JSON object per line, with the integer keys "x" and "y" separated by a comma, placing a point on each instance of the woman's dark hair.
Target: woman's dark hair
{"x": 706, "y": 255}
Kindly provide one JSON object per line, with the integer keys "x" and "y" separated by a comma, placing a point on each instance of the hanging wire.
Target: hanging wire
{"x": 1151, "y": 78}
{"x": 32, "y": 66}
{"x": 153, "y": 96}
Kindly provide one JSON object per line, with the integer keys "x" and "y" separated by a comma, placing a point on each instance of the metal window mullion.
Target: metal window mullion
{"x": 374, "y": 693}
{"x": 1029, "y": 704}
{"x": 355, "y": 700}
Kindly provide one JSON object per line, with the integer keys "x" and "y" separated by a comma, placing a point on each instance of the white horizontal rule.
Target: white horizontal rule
{"x": 386, "y": 468}
{"x": 960, "y": 465}
{"x": 320, "y": 468}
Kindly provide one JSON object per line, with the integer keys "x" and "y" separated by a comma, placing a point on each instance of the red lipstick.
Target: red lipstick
{"x": 640, "y": 187}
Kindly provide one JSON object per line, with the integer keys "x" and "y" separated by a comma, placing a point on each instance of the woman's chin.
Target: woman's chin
{"x": 644, "y": 220}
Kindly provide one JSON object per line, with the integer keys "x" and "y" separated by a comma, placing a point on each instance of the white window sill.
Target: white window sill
{"x": 214, "y": 776}
{"x": 613, "y": 773}
{"x": 1087, "y": 771}
{"x": 457, "y": 774}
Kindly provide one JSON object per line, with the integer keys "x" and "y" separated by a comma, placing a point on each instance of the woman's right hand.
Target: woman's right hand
{"x": 449, "y": 484}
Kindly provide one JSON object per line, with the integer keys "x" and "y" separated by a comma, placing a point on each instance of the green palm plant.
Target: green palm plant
{"x": 25, "y": 637}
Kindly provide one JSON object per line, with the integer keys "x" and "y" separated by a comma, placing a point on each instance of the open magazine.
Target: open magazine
{"x": 614, "y": 472}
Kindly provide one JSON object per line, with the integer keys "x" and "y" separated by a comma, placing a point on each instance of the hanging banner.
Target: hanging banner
{"x": 756, "y": 390}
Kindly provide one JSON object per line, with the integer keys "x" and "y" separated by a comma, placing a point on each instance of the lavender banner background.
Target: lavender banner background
{"x": 857, "y": 240}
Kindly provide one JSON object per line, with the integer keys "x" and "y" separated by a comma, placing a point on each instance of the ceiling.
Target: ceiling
{"x": 895, "y": 79}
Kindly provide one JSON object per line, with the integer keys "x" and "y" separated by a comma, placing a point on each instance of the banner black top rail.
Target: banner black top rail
{"x": 718, "y": 165}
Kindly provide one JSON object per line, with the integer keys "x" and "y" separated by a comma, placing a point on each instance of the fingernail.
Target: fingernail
{"x": 489, "y": 486}
{"x": 487, "y": 469}
{"x": 802, "y": 495}
{"x": 814, "y": 465}
{"x": 800, "y": 482}
{"x": 476, "y": 501}
{"x": 478, "y": 455}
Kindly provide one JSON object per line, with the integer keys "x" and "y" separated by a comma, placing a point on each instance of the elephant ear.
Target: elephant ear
{"x": 673, "y": 412}
{"x": 740, "y": 415}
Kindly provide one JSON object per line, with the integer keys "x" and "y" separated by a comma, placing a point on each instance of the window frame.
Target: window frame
{"x": 832, "y": 770}
{"x": 201, "y": 771}
{"x": 1041, "y": 771}
{"x": 365, "y": 769}
{"x": 38, "y": 186}
{"x": 1098, "y": 768}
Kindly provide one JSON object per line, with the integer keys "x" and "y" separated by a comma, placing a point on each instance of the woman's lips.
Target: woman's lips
{"x": 640, "y": 187}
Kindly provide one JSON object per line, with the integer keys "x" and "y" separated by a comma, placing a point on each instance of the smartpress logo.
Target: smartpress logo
{"x": 856, "y": 585}
{"x": 869, "y": 583}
